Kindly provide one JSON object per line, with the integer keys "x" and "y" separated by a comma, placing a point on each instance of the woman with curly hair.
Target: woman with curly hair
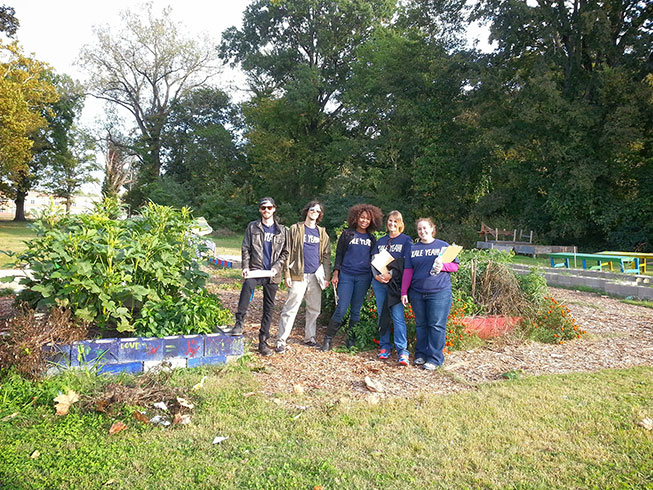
{"x": 352, "y": 272}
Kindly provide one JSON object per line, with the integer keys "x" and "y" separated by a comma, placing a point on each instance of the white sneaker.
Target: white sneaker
{"x": 429, "y": 366}
{"x": 419, "y": 361}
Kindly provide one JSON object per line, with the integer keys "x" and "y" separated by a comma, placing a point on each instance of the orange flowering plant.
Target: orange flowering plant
{"x": 553, "y": 323}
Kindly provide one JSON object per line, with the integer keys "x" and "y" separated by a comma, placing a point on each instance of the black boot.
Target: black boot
{"x": 263, "y": 348}
{"x": 351, "y": 335}
{"x": 326, "y": 345}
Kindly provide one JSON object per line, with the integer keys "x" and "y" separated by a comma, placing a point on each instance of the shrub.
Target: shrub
{"x": 552, "y": 323}
{"x": 112, "y": 272}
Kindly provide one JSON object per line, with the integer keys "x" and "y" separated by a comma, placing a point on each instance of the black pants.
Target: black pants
{"x": 269, "y": 293}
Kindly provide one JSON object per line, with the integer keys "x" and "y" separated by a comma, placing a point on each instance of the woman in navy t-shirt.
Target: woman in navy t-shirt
{"x": 427, "y": 285}
{"x": 351, "y": 272}
{"x": 387, "y": 288}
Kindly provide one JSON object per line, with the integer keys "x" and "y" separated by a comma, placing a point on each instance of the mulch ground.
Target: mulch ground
{"x": 618, "y": 336}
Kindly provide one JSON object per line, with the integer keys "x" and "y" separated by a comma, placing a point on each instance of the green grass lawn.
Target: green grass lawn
{"x": 12, "y": 238}
{"x": 227, "y": 244}
{"x": 556, "y": 431}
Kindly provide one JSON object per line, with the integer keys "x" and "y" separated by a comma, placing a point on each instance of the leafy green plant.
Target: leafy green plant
{"x": 111, "y": 272}
{"x": 197, "y": 313}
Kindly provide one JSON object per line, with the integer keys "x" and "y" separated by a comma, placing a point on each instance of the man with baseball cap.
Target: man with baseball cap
{"x": 264, "y": 252}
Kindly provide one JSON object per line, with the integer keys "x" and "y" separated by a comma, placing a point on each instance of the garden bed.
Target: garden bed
{"x": 487, "y": 327}
{"x": 619, "y": 336}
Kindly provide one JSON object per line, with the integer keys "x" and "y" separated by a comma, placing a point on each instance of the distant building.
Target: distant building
{"x": 36, "y": 201}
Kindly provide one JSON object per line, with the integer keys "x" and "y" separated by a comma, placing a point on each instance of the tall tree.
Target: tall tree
{"x": 145, "y": 68}
{"x": 298, "y": 56}
{"x": 407, "y": 103}
{"x": 568, "y": 118}
{"x": 26, "y": 96}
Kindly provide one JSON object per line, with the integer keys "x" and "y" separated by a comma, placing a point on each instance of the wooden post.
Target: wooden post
{"x": 530, "y": 240}
{"x": 514, "y": 235}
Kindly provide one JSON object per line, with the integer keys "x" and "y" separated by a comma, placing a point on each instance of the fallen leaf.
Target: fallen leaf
{"x": 181, "y": 419}
{"x": 646, "y": 423}
{"x": 220, "y": 439}
{"x": 109, "y": 482}
{"x": 65, "y": 401}
{"x": 277, "y": 401}
{"x": 117, "y": 427}
{"x": 199, "y": 385}
{"x": 372, "y": 385}
{"x": 185, "y": 403}
{"x": 248, "y": 394}
{"x": 35, "y": 454}
{"x": 101, "y": 406}
{"x": 141, "y": 417}
{"x": 318, "y": 487}
{"x": 161, "y": 406}
{"x": 9, "y": 417}
{"x": 298, "y": 389}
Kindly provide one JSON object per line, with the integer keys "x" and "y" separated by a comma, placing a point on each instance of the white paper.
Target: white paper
{"x": 321, "y": 278}
{"x": 259, "y": 273}
{"x": 381, "y": 260}
{"x": 220, "y": 439}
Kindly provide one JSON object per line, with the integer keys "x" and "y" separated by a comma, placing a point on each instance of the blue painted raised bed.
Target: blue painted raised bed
{"x": 140, "y": 354}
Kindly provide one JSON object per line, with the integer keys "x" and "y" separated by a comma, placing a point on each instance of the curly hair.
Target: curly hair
{"x": 310, "y": 205}
{"x": 376, "y": 216}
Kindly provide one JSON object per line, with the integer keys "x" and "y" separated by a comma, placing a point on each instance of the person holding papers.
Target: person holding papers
{"x": 387, "y": 268}
{"x": 264, "y": 252}
{"x": 351, "y": 272}
{"x": 307, "y": 272}
{"x": 427, "y": 285}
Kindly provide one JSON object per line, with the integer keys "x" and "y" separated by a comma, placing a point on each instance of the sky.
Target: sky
{"x": 55, "y": 30}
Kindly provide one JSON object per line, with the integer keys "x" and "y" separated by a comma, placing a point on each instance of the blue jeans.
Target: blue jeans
{"x": 352, "y": 289}
{"x": 398, "y": 320}
{"x": 431, "y": 314}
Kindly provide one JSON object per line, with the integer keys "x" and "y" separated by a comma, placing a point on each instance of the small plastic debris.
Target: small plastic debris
{"x": 161, "y": 406}
{"x": 161, "y": 420}
{"x": 220, "y": 439}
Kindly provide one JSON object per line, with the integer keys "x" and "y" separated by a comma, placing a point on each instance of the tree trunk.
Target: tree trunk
{"x": 20, "y": 206}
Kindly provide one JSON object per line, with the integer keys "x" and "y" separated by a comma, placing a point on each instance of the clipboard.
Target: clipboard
{"x": 381, "y": 261}
{"x": 450, "y": 254}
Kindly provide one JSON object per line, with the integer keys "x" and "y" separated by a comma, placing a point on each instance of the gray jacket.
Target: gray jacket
{"x": 252, "y": 248}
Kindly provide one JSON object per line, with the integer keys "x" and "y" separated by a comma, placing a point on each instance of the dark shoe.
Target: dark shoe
{"x": 310, "y": 343}
{"x": 280, "y": 348}
{"x": 326, "y": 345}
{"x": 237, "y": 330}
{"x": 351, "y": 341}
{"x": 264, "y": 350}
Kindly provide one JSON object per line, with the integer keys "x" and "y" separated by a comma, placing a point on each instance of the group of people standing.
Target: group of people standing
{"x": 301, "y": 256}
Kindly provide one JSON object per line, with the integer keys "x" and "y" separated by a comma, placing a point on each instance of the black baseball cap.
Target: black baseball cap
{"x": 267, "y": 201}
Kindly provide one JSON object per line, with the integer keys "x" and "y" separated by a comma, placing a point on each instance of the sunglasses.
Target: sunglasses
{"x": 314, "y": 209}
{"x": 266, "y": 207}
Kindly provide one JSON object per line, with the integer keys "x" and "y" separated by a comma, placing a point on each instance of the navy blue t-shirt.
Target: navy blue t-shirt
{"x": 357, "y": 257}
{"x": 311, "y": 249}
{"x": 421, "y": 260}
{"x": 399, "y": 245}
{"x": 267, "y": 245}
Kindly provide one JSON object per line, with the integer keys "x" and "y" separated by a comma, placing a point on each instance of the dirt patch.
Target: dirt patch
{"x": 619, "y": 336}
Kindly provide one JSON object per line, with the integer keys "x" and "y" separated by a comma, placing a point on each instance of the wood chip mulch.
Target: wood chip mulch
{"x": 618, "y": 336}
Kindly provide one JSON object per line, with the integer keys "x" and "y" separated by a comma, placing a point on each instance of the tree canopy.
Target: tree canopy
{"x": 144, "y": 68}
